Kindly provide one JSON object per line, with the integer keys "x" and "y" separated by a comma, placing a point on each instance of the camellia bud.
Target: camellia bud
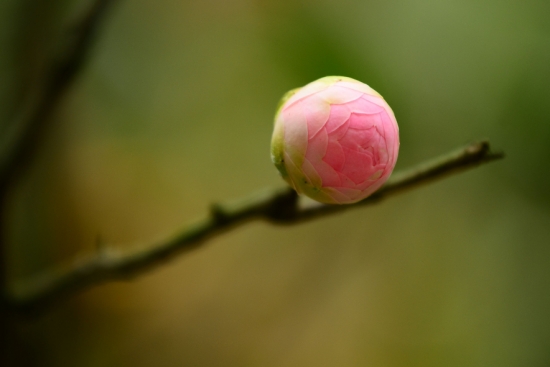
{"x": 335, "y": 140}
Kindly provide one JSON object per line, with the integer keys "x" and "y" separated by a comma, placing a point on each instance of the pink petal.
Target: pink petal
{"x": 358, "y": 166}
{"x": 292, "y": 170}
{"x": 368, "y": 183}
{"x": 339, "y": 114}
{"x": 392, "y": 136}
{"x": 364, "y": 106}
{"x": 323, "y": 197}
{"x": 353, "y": 194}
{"x": 376, "y": 175}
{"x": 317, "y": 146}
{"x": 362, "y": 122}
{"x": 339, "y": 95}
{"x": 338, "y": 196}
{"x": 377, "y": 100}
{"x": 361, "y": 87}
{"x": 295, "y": 133}
{"x": 317, "y": 112}
{"x": 340, "y": 131}
{"x": 345, "y": 182}
{"x": 328, "y": 175}
{"x": 335, "y": 156}
{"x": 311, "y": 174}
{"x": 305, "y": 92}
{"x": 360, "y": 140}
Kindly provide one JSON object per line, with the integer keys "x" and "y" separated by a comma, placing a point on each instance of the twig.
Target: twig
{"x": 279, "y": 206}
{"x": 22, "y": 136}
{"x": 19, "y": 141}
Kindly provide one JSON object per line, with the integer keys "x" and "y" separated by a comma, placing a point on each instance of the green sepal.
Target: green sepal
{"x": 277, "y": 140}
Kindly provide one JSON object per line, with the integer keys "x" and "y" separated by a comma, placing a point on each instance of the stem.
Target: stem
{"x": 20, "y": 141}
{"x": 279, "y": 206}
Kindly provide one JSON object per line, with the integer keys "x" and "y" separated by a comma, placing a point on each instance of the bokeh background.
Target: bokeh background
{"x": 174, "y": 112}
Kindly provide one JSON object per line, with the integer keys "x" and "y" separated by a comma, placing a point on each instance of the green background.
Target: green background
{"x": 174, "y": 112}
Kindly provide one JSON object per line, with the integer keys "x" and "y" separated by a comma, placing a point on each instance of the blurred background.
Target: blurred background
{"x": 174, "y": 111}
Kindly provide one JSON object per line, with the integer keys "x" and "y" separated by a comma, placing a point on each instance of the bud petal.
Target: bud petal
{"x": 335, "y": 140}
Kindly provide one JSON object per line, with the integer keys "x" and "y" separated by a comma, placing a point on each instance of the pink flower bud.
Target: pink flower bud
{"x": 335, "y": 140}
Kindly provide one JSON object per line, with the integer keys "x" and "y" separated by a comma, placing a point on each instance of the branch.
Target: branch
{"x": 279, "y": 206}
{"x": 18, "y": 143}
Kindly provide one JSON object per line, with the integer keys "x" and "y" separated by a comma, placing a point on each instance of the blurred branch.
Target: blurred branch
{"x": 20, "y": 140}
{"x": 18, "y": 144}
{"x": 279, "y": 206}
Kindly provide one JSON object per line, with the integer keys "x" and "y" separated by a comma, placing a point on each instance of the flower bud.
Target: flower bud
{"x": 335, "y": 140}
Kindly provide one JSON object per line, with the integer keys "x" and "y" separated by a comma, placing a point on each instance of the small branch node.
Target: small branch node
{"x": 283, "y": 207}
{"x": 219, "y": 214}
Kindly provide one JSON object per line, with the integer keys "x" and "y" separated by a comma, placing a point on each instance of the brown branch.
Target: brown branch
{"x": 20, "y": 141}
{"x": 18, "y": 144}
{"x": 279, "y": 206}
